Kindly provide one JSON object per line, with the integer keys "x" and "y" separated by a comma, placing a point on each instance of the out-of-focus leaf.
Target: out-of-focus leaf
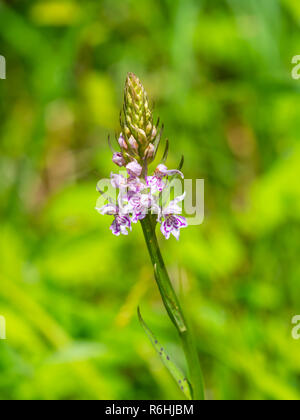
{"x": 177, "y": 374}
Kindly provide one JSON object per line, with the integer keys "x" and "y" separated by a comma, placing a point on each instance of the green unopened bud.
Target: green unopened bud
{"x": 138, "y": 118}
{"x": 127, "y": 132}
{"x": 149, "y": 129}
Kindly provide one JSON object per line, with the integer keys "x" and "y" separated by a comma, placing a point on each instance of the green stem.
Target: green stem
{"x": 173, "y": 308}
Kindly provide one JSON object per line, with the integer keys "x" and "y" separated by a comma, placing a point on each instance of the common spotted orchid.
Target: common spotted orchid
{"x": 140, "y": 197}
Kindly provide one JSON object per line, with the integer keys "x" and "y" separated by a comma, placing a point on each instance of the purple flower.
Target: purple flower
{"x": 172, "y": 222}
{"x": 140, "y": 205}
{"x": 135, "y": 185}
{"x": 134, "y": 169}
{"x": 131, "y": 184}
{"x": 122, "y": 221}
{"x": 156, "y": 182}
{"x": 118, "y": 159}
{"x": 120, "y": 225}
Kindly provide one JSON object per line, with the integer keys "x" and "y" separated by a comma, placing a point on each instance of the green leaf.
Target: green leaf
{"x": 177, "y": 374}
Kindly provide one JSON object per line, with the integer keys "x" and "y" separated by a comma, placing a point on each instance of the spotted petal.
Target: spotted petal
{"x": 109, "y": 209}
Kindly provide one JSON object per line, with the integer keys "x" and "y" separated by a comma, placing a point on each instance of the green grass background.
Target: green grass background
{"x": 219, "y": 73}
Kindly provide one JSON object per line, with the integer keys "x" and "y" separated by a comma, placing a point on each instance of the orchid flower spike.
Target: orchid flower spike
{"x": 138, "y": 193}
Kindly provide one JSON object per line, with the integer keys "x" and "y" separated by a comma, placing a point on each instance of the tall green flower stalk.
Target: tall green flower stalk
{"x": 140, "y": 201}
{"x": 174, "y": 309}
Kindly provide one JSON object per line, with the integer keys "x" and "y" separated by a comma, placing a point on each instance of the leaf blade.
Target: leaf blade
{"x": 176, "y": 372}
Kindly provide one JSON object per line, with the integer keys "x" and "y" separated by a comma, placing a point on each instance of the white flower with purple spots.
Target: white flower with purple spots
{"x": 173, "y": 222}
{"x": 120, "y": 225}
{"x": 121, "y": 222}
{"x": 140, "y": 205}
{"x": 135, "y": 185}
{"x": 156, "y": 182}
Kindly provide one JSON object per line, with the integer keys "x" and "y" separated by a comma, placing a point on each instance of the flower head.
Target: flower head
{"x": 139, "y": 194}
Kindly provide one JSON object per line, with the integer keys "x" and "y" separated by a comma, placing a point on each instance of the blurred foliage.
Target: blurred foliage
{"x": 219, "y": 75}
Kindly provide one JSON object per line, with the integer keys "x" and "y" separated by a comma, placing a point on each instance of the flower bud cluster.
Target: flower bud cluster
{"x": 139, "y": 133}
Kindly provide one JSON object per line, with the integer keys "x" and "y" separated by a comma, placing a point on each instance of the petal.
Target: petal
{"x": 136, "y": 185}
{"x": 115, "y": 228}
{"x": 134, "y": 168}
{"x": 160, "y": 185}
{"x": 182, "y": 221}
{"x": 176, "y": 233}
{"x": 109, "y": 209}
{"x": 124, "y": 230}
{"x": 151, "y": 180}
{"x": 173, "y": 207}
{"x": 164, "y": 231}
{"x": 175, "y": 172}
{"x": 162, "y": 169}
{"x": 179, "y": 198}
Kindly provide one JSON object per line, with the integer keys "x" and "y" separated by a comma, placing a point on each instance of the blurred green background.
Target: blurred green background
{"x": 219, "y": 73}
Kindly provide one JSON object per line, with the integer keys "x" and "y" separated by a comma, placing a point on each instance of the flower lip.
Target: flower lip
{"x": 120, "y": 225}
{"x": 172, "y": 225}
